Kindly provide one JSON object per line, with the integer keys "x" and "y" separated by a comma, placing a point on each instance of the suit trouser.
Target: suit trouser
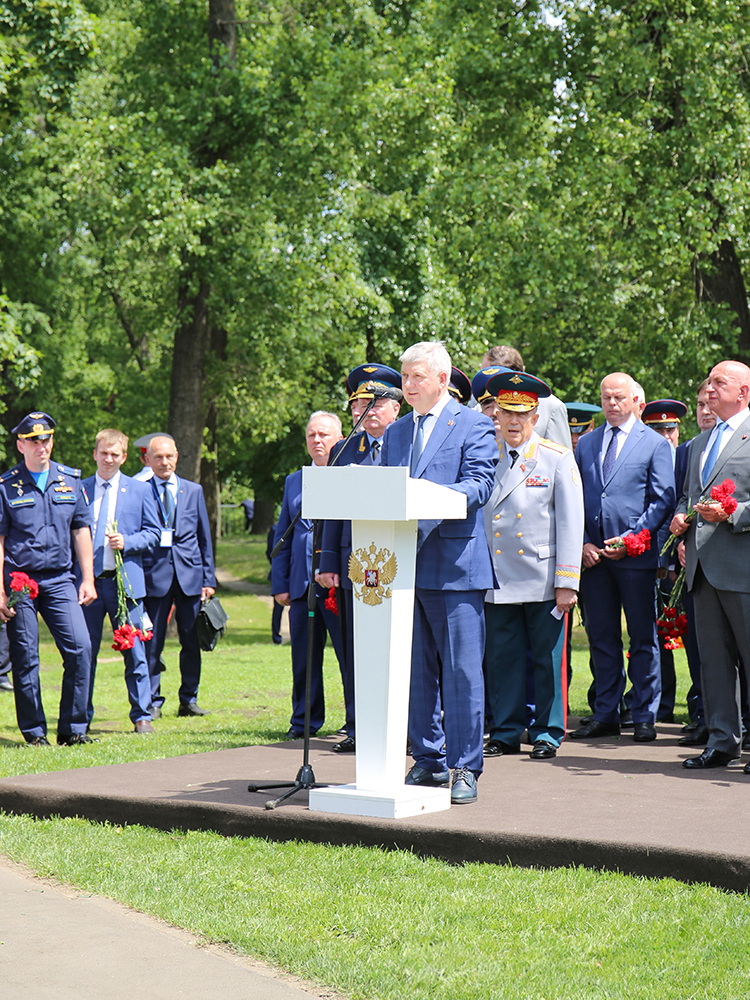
{"x": 346, "y": 618}
{"x": 186, "y": 608}
{"x": 325, "y": 623}
{"x": 58, "y": 605}
{"x": 137, "y": 678}
{"x": 513, "y": 629}
{"x": 607, "y": 591}
{"x": 446, "y": 670}
{"x": 722, "y": 618}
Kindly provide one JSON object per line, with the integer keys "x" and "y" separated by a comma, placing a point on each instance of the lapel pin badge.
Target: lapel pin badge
{"x": 450, "y": 423}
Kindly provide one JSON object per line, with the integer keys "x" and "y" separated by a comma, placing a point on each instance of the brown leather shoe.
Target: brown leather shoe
{"x": 144, "y": 727}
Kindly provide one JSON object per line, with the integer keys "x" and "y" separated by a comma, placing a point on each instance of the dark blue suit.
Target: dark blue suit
{"x": 638, "y": 494}
{"x": 178, "y": 574}
{"x": 290, "y": 574}
{"x": 138, "y": 521}
{"x": 452, "y": 574}
{"x": 336, "y": 548}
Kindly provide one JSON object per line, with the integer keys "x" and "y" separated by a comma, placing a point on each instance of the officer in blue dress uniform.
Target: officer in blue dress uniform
{"x": 365, "y": 382}
{"x": 44, "y": 518}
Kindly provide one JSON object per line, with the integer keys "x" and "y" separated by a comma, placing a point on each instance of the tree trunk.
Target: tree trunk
{"x": 263, "y": 516}
{"x": 210, "y": 460}
{"x": 186, "y": 410}
{"x": 722, "y": 282}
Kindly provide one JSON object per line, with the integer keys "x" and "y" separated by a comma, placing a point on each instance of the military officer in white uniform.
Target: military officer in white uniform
{"x": 534, "y": 522}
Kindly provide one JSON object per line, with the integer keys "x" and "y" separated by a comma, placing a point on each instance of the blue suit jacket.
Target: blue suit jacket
{"x": 336, "y": 544}
{"x": 290, "y": 570}
{"x": 190, "y": 559}
{"x": 461, "y": 453}
{"x": 138, "y": 521}
{"x": 639, "y": 493}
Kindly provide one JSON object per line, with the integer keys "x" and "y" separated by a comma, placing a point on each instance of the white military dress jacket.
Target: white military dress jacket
{"x": 534, "y": 522}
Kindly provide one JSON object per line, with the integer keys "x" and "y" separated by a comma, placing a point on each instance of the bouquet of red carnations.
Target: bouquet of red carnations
{"x": 21, "y": 586}
{"x": 634, "y": 545}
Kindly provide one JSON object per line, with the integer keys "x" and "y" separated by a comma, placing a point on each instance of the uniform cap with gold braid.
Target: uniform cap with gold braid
{"x": 459, "y": 386}
{"x": 518, "y": 392}
{"x": 581, "y": 416}
{"x": 480, "y": 380}
{"x": 370, "y": 380}
{"x": 35, "y": 425}
{"x": 665, "y": 413}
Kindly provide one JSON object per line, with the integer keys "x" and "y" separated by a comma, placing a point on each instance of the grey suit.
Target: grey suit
{"x": 553, "y": 421}
{"x": 717, "y": 563}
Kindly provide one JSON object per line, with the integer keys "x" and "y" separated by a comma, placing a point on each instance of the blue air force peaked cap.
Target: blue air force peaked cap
{"x": 580, "y": 415}
{"x": 35, "y": 425}
{"x": 459, "y": 386}
{"x": 373, "y": 380}
{"x": 518, "y": 392}
{"x": 480, "y": 380}
{"x": 664, "y": 413}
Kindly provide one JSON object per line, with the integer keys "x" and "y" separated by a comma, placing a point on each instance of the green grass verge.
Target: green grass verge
{"x": 244, "y": 556}
{"x": 374, "y": 924}
{"x": 368, "y": 923}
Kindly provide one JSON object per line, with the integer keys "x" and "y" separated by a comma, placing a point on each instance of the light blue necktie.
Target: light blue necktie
{"x": 168, "y": 502}
{"x": 712, "y": 456}
{"x": 101, "y": 533}
{"x": 418, "y": 447}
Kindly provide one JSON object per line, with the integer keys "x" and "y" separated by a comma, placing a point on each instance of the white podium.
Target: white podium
{"x": 384, "y": 505}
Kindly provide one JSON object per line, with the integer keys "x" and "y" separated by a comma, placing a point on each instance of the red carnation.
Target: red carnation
{"x": 22, "y": 586}
{"x": 636, "y": 545}
{"x": 331, "y": 604}
{"x": 124, "y": 638}
{"x": 722, "y": 494}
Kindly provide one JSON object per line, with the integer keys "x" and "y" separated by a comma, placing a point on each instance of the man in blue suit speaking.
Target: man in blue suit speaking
{"x": 180, "y": 569}
{"x": 125, "y": 519}
{"x": 628, "y": 486}
{"x": 450, "y": 444}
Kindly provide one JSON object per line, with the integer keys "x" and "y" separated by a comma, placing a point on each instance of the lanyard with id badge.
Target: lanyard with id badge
{"x": 167, "y": 531}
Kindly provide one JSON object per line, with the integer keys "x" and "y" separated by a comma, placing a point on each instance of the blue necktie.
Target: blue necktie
{"x": 712, "y": 456}
{"x": 101, "y": 533}
{"x": 418, "y": 447}
{"x": 168, "y": 502}
{"x": 611, "y": 456}
{"x": 375, "y": 452}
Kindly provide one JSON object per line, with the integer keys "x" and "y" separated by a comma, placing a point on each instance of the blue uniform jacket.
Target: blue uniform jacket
{"x": 190, "y": 559}
{"x": 37, "y": 526}
{"x": 639, "y": 493}
{"x": 461, "y": 453}
{"x": 337, "y": 535}
{"x": 137, "y": 519}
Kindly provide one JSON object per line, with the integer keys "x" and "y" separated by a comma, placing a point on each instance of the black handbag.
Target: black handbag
{"x": 211, "y": 624}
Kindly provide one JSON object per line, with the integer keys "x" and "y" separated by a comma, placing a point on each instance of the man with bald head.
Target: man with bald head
{"x": 179, "y": 571}
{"x": 717, "y": 559}
{"x": 628, "y": 485}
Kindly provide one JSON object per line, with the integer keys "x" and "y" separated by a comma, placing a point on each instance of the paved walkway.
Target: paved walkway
{"x": 60, "y": 944}
{"x": 609, "y": 804}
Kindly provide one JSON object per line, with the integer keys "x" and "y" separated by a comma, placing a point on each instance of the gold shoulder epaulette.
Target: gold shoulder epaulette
{"x": 559, "y": 448}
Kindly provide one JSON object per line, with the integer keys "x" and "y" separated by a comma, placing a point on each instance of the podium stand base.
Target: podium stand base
{"x": 408, "y": 800}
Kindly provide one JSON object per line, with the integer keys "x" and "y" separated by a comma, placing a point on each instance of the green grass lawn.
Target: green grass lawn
{"x": 368, "y": 923}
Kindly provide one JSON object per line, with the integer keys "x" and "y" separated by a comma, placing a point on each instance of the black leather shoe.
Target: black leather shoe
{"x": 464, "y": 787}
{"x": 746, "y": 768}
{"x": 543, "y": 750}
{"x": 595, "y": 729}
{"x": 709, "y": 758}
{"x": 39, "y": 741}
{"x": 73, "y": 739}
{"x": 691, "y": 727}
{"x": 644, "y": 732}
{"x": 431, "y": 779}
{"x": 697, "y": 737}
{"x": 295, "y": 734}
{"x": 192, "y": 708}
{"x": 345, "y": 746}
{"x": 496, "y": 748}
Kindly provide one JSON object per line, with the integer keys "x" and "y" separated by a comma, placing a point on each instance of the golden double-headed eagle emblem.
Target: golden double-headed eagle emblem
{"x": 371, "y": 570}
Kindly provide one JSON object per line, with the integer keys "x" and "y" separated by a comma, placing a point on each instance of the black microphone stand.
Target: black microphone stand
{"x": 305, "y": 779}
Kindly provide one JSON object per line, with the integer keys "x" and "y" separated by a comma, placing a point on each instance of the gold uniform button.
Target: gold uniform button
{"x": 520, "y": 552}
{"x": 519, "y": 515}
{"x": 519, "y": 534}
{"x": 497, "y": 517}
{"x": 497, "y": 552}
{"x": 497, "y": 534}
